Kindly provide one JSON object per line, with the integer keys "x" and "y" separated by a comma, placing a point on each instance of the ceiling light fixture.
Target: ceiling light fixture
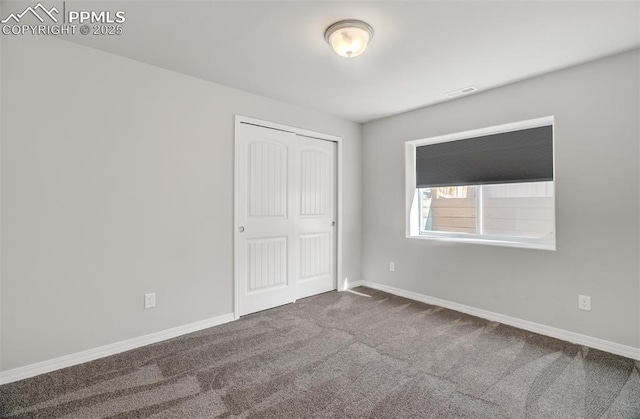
{"x": 349, "y": 38}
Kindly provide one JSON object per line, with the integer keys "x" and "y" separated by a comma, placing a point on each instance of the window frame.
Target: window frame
{"x": 413, "y": 204}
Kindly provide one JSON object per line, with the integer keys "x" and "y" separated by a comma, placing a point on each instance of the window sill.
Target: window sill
{"x": 489, "y": 242}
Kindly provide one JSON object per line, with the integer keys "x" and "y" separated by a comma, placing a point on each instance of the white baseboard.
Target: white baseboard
{"x": 126, "y": 345}
{"x": 107, "y": 350}
{"x": 601, "y": 344}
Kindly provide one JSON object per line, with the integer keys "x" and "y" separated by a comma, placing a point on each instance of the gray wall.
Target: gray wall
{"x": 1, "y": 93}
{"x": 597, "y": 164}
{"x": 117, "y": 179}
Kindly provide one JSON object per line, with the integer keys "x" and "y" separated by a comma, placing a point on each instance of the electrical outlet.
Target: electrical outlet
{"x": 584, "y": 302}
{"x": 150, "y": 300}
{"x": 392, "y": 266}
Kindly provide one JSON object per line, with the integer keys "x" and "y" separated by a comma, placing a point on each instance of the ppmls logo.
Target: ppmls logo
{"x": 34, "y": 11}
{"x": 43, "y": 20}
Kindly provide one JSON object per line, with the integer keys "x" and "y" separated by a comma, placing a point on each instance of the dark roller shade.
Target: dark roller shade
{"x": 509, "y": 157}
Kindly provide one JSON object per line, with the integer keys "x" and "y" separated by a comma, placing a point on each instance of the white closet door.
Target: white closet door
{"x": 285, "y": 245}
{"x": 266, "y": 242}
{"x": 316, "y": 217}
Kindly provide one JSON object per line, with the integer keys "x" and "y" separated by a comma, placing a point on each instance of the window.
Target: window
{"x": 492, "y": 186}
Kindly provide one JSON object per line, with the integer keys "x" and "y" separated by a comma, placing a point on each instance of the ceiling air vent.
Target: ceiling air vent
{"x": 463, "y": 91}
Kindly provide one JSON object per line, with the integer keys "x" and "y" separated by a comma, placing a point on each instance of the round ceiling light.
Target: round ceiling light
{"x": 349, "y": 38}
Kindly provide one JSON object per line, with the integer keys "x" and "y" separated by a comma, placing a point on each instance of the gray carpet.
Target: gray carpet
{"x": 342, "y": 355}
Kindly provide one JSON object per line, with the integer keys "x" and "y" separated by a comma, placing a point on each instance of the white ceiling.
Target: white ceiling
{"x": 420, "y": 50}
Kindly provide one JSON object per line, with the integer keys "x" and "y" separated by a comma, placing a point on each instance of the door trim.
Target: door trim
{"x": 239, "y": 119}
